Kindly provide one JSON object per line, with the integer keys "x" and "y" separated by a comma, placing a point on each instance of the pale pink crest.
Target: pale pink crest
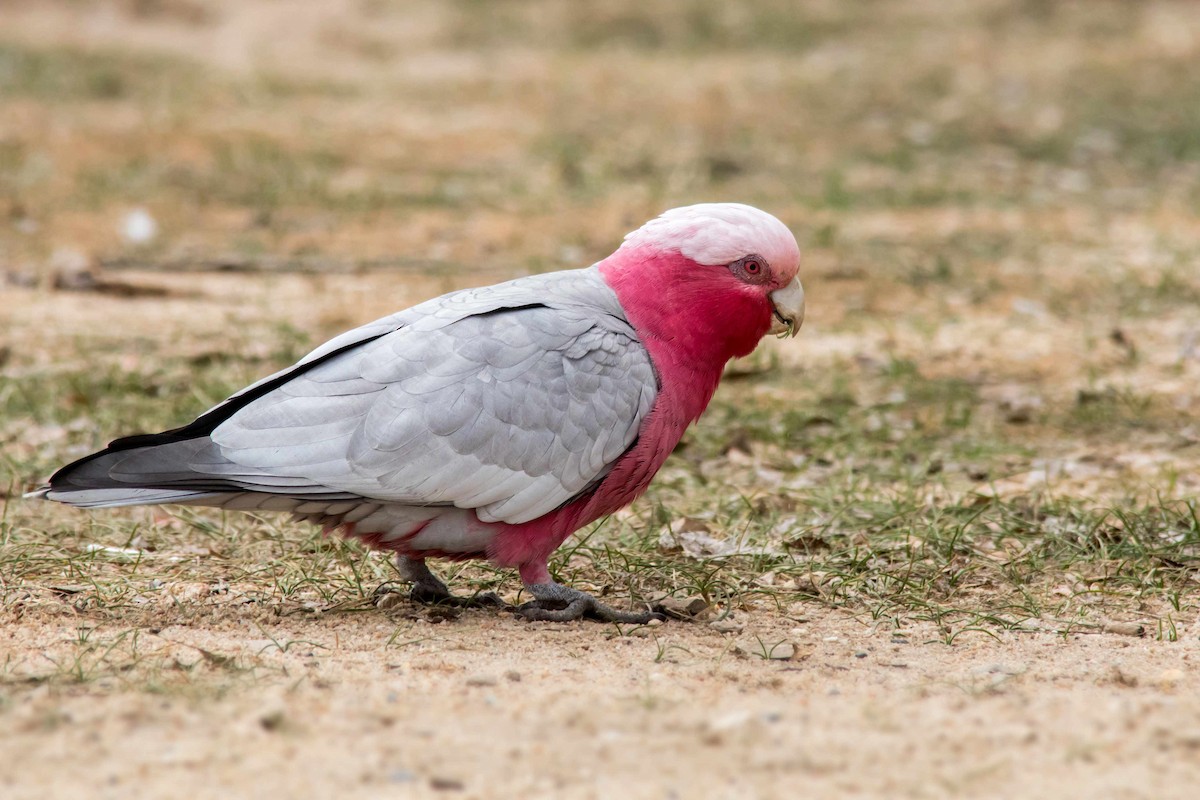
{"x": 721, "y": 233}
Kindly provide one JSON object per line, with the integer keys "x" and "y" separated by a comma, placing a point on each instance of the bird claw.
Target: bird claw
{"x": 557, "y": 603}
{"x": 434, "y": 594}
{"x": 552, "y": 602}
{"x": 422, "y": 594}
{"x": 428, "y": 589}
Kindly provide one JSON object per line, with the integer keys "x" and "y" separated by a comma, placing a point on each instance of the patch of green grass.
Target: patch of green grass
{"x": 1176, "y": 285}
{"x": 1114, "y": 124}
{"x": 1113, "y": 410}
{"x": 981, "y": 565}
{"x": 684, "y": 26}
{"x": 116, "y": 399}
{"x": 70, "y": 75}
{"x": 836, "y": 192}
{"x": 261, "y": 172}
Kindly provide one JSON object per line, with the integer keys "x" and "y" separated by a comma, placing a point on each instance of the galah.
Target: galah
{"x": 487, "y": 423}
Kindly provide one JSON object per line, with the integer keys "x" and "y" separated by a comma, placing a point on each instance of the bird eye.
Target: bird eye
{"x": 752, "y": 269}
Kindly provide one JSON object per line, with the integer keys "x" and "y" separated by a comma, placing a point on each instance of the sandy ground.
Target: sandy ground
{"x": 486, "y": 707}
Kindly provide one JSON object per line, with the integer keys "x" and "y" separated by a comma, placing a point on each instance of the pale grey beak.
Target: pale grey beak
{"x": 789, "y": 309}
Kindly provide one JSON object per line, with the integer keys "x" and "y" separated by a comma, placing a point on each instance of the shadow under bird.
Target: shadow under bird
{"x": 486, "y": 423}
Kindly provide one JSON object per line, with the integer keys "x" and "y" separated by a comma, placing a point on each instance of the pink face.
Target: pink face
{"x": 734, "y": 247}
{"x": 709, "y": 281}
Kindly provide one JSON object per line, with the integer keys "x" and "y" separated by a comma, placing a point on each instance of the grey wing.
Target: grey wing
{"x": 511, "y": 412}
{"x": 582, "y": 288}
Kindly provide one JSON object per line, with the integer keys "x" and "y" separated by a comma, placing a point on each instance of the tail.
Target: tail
{"x": 165, "y": 468}
{"x": 124, "y": 474}
{"x": 133, "y": 472}
{"x": 162, "y": 468}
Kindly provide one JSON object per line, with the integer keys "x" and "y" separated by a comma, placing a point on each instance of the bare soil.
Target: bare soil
{"x": 486, "y": 706}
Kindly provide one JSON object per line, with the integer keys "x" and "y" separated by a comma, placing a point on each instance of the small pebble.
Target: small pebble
{"x": 999, "y": 669}
{"x": 1124, "y": 628}
{"x": 686, "y": 608}
{"x": 271, "y": 721}
{"x": 138, "y": 227}
{"x": 443, "y": 784}
{"x": 726, "y": 626}
{"x": 782, "y": 652}
{"x": 123, "y": 555}
{"x": 747, "y": 649}
{"x": 861, "y": 654}
{"x": 513, "y": 676}
{"x": 730, "y": 721}
{"x": 388, "y": 600}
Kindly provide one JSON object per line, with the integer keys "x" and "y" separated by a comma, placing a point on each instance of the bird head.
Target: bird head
{"x": 725, "y": 268}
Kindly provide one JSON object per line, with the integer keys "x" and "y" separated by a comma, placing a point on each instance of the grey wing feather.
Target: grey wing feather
{"x": 582, "y": 288}
{"x": 512, "y": 413}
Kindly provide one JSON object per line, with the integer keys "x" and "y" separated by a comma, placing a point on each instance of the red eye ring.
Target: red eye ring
{"x": 750, "y": 269}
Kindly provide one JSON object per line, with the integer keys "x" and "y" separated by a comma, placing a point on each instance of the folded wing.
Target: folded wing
{"x": 512, "y": 413}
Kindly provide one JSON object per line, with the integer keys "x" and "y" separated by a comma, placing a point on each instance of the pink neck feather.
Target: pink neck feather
{"x": 692, "y": 320}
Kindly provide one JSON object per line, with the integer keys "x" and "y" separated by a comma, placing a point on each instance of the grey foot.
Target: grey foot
{"x": 428, "y": 589}
{"x": 557, "y": 603}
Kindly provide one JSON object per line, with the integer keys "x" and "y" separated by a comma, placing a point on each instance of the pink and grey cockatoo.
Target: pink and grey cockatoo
{"x": 486, "y": 423}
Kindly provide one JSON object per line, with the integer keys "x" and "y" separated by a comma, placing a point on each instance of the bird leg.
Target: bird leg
{"x": 557, "y": 603}
{"x": 427, "y": 588}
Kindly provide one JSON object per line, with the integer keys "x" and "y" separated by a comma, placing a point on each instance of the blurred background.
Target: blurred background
{"x": 911, "y": 141}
